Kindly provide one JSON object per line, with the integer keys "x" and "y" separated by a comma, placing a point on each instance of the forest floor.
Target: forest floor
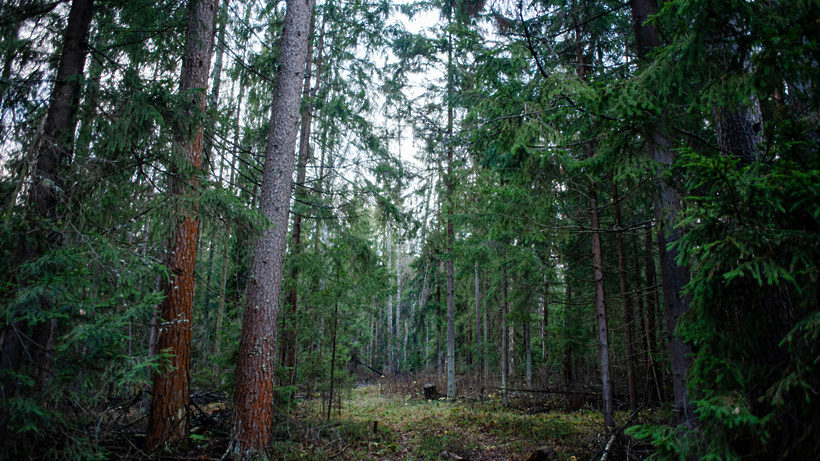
{"x": 396, "y": 422}
{"x": 375, "y": 424}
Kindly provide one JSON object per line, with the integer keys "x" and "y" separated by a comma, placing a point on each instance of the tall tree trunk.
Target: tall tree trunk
{"x": 451, "y": 290}
{"x": 505, "y": 363}
{"x": 45, "y": 201}
{"x": 667, "y": 204}
{"x": 625, "y": 301}
{"x": 168, "y": 419}
{"x": 597, "y": 264}
{"x": 600, "y": 311}
{"x": 253, "y": 408}
{"x": 289, "y": 345}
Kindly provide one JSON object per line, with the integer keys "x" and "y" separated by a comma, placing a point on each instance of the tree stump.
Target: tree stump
{"x": 430, "y": 392}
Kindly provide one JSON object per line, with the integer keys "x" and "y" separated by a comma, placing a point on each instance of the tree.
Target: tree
{"x": 667, "y": 205}
{"x": 253, "y": 408}
{"x": 46, "y": 199}
{"x": 168, "y": 418}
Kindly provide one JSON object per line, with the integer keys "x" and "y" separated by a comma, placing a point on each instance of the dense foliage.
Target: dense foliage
{"x": 561, "y": 173}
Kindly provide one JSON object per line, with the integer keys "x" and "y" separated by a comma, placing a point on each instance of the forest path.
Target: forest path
{"x": 411, "y": 428}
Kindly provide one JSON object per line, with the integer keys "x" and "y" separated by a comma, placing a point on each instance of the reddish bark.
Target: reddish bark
{"x": 253, "y": 408}
{"x": 167, "y": 420}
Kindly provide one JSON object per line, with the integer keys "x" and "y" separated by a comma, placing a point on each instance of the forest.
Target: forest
{"x": 438, "y": 229}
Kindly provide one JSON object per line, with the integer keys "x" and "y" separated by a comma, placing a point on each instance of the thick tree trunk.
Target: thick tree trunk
{"x": 625, "y": 301}
{"x": 667, "y": 204}
{"x": 45, "y": 201}
{"x": 289, "y": 345}
{"x": 253, "y": 408}
{"x": 168, "y": 419}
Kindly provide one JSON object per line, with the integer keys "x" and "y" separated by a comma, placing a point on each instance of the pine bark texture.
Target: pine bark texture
{"x": 289, "y": 336}
{"x": 168, "y": 417}
{"x": 253, "y": 406}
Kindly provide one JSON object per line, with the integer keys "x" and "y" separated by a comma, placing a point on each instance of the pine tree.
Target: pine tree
{"x": 254, "y": 379}
{"x": 168, "y": 419}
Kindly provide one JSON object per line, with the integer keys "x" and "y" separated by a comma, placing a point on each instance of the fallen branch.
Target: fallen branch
{"x": 535, "y": 391}
{"x": 617, "y": 431}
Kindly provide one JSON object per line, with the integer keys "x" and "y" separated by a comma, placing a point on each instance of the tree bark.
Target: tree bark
{"x": 667, "y": 204}
{"x": 253, "y": 407}
{"x": 45, "y": 201}
{"x": 168, "y": 418}
{"x": 289, "y": 335}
